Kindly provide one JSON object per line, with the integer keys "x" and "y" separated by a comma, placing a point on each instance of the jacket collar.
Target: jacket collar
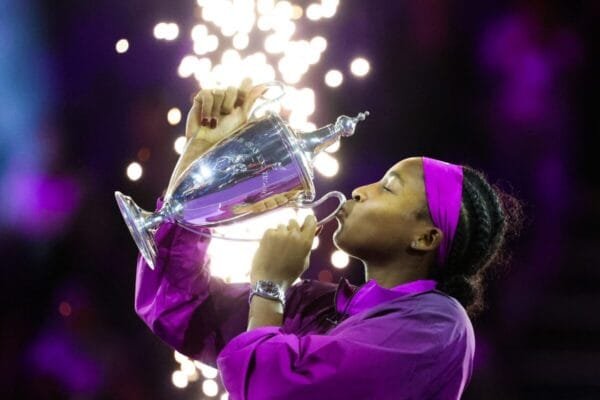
{"x": 351, "y": 300}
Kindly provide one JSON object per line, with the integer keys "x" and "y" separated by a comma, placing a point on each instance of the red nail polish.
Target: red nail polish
{"x": 204, "y": 122}
{"x": 213, "y": 123}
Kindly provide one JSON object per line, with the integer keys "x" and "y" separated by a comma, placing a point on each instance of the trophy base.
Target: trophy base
{"x": 136, "y": 220}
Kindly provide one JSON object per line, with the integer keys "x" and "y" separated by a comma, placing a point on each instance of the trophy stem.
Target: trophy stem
{"x": 141, "y": 224}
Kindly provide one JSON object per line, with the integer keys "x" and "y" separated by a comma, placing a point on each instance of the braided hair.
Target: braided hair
{"x": 488, "y": 216}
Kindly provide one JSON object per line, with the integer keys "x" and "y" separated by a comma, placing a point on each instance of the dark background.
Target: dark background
{"x": 504, "y": 86}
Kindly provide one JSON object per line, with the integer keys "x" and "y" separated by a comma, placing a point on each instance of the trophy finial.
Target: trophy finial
{"x": 316, "y": 141}
{"x": 346, "y": 125}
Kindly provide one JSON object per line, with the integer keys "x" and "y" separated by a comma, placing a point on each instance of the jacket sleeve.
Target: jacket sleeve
{"x": 180, "y": 301}
{"x": 373, "y": 360}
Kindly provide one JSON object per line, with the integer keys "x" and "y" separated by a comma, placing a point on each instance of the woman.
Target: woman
{"x": 426, "y": 233}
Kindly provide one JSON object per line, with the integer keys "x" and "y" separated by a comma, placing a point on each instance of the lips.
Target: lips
{"x": 343, "y": 212}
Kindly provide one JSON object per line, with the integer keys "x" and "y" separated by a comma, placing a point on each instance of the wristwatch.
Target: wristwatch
{"x": 268, "y": 290}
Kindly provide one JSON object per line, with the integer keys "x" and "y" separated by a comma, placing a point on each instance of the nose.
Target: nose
{"x": 359, "y": 194}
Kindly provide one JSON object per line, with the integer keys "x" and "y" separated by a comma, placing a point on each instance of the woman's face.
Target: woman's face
{"x": 383, "y": 219}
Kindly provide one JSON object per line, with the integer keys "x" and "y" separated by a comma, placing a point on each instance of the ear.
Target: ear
{"x": 428, "y": 239}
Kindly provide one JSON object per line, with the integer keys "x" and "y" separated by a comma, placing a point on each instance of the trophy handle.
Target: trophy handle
{"x": 269, "y": 85}
{"x": 301, "y": 203}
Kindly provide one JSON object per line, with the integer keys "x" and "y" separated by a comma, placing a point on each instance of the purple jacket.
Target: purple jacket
{"x": 337, "y": 340}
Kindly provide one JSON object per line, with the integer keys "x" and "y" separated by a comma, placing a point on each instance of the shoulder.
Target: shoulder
{"x": 433, "y": 316}
{"x": 441, "y": 305}
{"x": 445, "y": 314}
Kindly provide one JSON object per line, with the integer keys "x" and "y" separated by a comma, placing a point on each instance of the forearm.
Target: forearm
{"x": 264, "y": 312}
{"x": 177, "y": 285}
{"x": 182, "y": 304}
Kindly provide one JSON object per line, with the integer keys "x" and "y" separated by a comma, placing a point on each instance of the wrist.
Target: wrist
{"x": 264, "y": 312}
{"x": 284, "y": 284}
{"x": 258, "y": 302}
{"x": 267, "y": 289}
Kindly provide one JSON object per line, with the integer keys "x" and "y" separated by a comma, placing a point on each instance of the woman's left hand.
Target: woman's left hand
{"x": 217, "y": 113}
{"x": 282, "y": 255}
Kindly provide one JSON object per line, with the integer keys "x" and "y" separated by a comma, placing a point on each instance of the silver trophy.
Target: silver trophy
{"x": 261, "y": 159}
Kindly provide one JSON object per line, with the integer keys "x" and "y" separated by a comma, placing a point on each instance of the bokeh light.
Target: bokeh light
{"x": 210, "y": 388}
{"x": 314, "y": 12}
{"x": 319, "y": 43}
{"x": 188, "y": 367}
{"x": 174, "y": 116}
{"x": 334, "y": 147}
{"x": 240, "y": 41}
{"x": 166, "y": 31}
{"x": 144, "y": 154}
{"x": 134, "y": 171}
{"x": 326, "y": 165}
{"x": 179, "y": 379}
{"x": 339, "y": 259}
{"x": 325, "y": 275}
{"x": 360, "y": 67}
{"x": 64, "y": 308}
{"x": 334, "y": 78}
{"x": 122, "y": 46}
{"x": 206, "y": 370}
{"x": 315, "y": 243}
{"x": 179, "y": 144}
{"x": 329, "y": 8}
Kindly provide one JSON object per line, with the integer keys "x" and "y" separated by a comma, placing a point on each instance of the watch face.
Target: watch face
{"x": 269, "y": 288}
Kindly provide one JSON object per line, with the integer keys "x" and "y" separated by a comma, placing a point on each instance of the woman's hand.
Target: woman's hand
{"x": 282, "y": 255}
{"x": 217, "y": 113}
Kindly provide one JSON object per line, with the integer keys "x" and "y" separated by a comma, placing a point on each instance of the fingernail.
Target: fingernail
{"x": 213, "y": 123}
{"x": 204, "y": 122}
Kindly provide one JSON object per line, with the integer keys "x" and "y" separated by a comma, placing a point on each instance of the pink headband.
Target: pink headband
{"x": 443, "y": 188}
